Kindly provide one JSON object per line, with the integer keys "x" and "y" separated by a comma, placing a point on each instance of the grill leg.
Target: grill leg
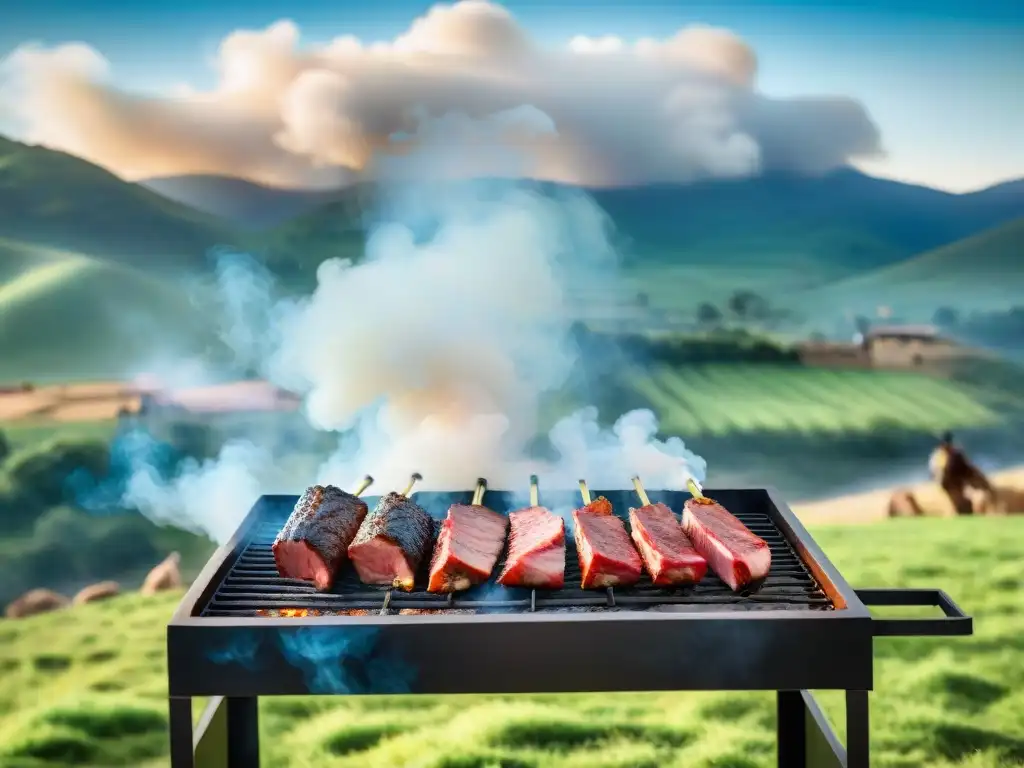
{"x": 243, "y": 733}
{"x": 791, "y": 729}
{"x": 857, "y": 733}
{"x": 180, "y": 716}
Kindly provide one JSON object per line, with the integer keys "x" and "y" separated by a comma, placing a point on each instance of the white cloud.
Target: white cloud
{"x": 622, "y": 112}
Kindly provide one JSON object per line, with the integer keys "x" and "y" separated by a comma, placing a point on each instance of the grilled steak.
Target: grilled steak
{"x": 391, "y": 542}
{"x": 313, "y": 543}
{"x": 668, "y": 554}
{"x": 536, "y": 550}
{"x": 731, "y": 549}
{"x": 607, "y": 556}
{"x": 471, "y": 539}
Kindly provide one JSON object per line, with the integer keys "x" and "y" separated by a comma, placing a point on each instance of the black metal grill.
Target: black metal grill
{"x": 252, "y": 586}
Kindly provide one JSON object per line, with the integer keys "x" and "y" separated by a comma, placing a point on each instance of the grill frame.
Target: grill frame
{"x": 772, "y": 649}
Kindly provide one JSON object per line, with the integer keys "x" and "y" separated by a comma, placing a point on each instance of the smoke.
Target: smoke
{"x": 436, "y": 352}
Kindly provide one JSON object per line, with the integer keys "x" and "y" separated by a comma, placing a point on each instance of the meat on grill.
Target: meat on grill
{"x": 392, "y": 542}
{"x": 667, "y": 552}
{"x": 606, "y": 554}
{"x": 472, "y": 537}
{"x": 313, "y": 543}
{"x": 732, "y": 550}
{"x": 536, "y": 550}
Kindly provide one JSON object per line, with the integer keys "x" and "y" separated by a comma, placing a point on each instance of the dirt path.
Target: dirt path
{"x": 873, "y": 505}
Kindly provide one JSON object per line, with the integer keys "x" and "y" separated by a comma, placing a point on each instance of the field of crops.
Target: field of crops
{"x": 724, "y": 399}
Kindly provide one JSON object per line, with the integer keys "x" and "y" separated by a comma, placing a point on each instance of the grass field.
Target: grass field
{"x": 87, "y": 687}
{"x": 723, "y": 399}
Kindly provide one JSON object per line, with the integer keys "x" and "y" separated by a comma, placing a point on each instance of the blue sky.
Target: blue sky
{"x": 943, "y": 79}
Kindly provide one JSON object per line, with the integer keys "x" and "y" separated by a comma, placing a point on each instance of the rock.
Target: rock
{"x": 36, "y": 601}
{"x": 94, "y": 592}
{"x": 903, "y": 504}
{"x": 164, "y": 577}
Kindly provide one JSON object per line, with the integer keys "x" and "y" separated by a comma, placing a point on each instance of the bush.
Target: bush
{"x": 44, "y": 470}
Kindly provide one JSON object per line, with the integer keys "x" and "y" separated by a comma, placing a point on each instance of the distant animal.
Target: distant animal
{"x": 96, "y": 592}
{"x": 164, "y": 577}
{"x": 957, "y": 475}
{"x": 34, "y": 602}
{"x": 1001, "y": 500}
{"x": 903, "y": 504}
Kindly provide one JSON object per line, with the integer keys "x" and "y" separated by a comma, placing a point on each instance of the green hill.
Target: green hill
{"x": 70, "y": 315}
{"x": 88, "y": 686}
{"x": 982, "y": 272}
{"x": 54, "y": 199}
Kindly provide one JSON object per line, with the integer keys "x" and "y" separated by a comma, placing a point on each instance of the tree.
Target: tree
{"x": 5, "y": 447}
{"x": 708, "y": 314}
{"x": 946, "y": 317}
{"x": 748, "y": 305}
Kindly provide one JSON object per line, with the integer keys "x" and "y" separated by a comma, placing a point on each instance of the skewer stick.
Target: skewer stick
{"x": 478, "y": 494}
{"x": 640, "y": 491}
{"x": 365, "y": 483}
{"x": 416, "y": 477}
{"x": 585, "y": 492}
{"x": 697, "y": 492}
{"x": 534, "y": 492}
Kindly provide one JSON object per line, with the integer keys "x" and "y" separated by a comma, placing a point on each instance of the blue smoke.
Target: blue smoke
{"x": 339, "y": 661}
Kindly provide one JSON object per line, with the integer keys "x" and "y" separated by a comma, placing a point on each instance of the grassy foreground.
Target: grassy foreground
{"x": 87, "y": 687}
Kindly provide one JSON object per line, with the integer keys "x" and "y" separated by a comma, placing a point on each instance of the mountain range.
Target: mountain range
{"x": 81, "y": 249}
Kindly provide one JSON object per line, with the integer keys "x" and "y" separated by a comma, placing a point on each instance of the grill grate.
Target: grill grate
{"x": 252, "y": 586}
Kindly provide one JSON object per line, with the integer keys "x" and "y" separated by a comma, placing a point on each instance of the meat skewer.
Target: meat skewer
{"x": 536, "y": 546}
{"x": 471, "y": 539}
{"x": 607, "y": 556}
{"x": 668, "y": 554}
{"x": 392, "y": 541}
{"x": 734, "y": 552}
{"x": 314, "y": 541}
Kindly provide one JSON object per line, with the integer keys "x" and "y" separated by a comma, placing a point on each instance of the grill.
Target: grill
{"x": 242, "y": 632}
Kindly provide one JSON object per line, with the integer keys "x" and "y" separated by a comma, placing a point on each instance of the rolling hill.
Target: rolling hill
{"x": 843, "y": 220}
{"x": 984, "y": 272}
{"x": 65, "y": 315}
{"x": 54, "y": 199}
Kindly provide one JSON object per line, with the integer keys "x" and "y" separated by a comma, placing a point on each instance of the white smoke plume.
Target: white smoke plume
{"x": 286, "y": 113}
{"x": 434, "y": 354}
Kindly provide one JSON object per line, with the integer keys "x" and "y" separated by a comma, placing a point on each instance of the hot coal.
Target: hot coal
{"x": 471, "y": 539}
{"x": 392, "y": 542}
{"x": 314, "y": 541}
{"x": 536, "y": 550}
{"x": 734, "y": 552}
{"x": 668, "y": 554}
{"x": 607, "y": 556}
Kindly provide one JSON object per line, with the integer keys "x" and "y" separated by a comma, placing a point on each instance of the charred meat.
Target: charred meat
{"x": 668, "y": 554}
{"x": 313, "y": 543}
{"x": 392, "y": 542}
{"x": 732, "y": 550}
{"x": 606, "y": 554}
{"x": 536, "y": 550}
{"x": 471, "y": 539}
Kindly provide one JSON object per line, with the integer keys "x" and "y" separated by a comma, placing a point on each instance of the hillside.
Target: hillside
{"x": 54, "y": 199}
{"x": 842, "y": 221}
{"x": 88, "y": 686}
{"x": 983, "y": 272}
{"x": 244, "y": 203}
{"x": 70, "y": 315}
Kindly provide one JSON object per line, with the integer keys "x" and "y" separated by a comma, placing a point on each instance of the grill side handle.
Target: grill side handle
{"x": 954, "y": 622}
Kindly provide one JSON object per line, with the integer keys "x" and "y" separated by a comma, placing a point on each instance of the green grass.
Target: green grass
{"x": 87, "y": 687}
{"x": 724, "y": 399}
{"x": 24, "y": 433}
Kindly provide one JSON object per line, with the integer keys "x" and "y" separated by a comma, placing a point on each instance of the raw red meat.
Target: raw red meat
{"x": 471, "y": 538}
{"x": 536, "y": 550}
{"x": 607, "y": 556}
{"x": 392, "y": 542}
{"x": 312, "y": 545}
{"x": 732, "y": 550}
{"x": 668, "y": 554}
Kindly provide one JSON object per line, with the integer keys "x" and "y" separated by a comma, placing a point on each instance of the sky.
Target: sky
{"x": 941, "y": 80}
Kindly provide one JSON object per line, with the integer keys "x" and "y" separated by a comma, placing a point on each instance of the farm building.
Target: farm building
{"x": 909, "y": 346}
